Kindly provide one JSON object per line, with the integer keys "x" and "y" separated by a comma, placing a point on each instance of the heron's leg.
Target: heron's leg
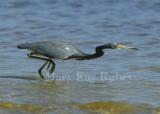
{"x": 33, "y": 55}
{"x": 49, "y": 65}
{"x": 53, "y": 66}
{"x": 40, "y": 70}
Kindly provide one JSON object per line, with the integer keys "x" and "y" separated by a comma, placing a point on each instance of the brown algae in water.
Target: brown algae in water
{"x": 106, "y": 107}
{"x": 22, "y": 107}
{"x": 116, "y": 108}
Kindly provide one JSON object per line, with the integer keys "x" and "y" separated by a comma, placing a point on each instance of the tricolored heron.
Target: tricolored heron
{"x": 50, "y": 50}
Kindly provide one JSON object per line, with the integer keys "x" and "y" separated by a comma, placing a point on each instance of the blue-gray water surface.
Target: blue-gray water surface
{"x": 85, "y": 23}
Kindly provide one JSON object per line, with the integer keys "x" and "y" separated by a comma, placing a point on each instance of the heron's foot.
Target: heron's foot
{"x": 51, "y": 66}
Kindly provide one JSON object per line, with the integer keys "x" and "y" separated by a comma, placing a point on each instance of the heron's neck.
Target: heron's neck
{"x": 98, "y": 53}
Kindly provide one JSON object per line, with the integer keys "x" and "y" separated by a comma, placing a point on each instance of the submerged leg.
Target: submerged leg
{"x": 33, "y": 55}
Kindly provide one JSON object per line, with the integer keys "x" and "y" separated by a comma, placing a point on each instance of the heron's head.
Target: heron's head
{"x": 116, "y": 46}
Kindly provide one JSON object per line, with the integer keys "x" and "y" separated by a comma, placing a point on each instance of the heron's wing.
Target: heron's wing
{"x": 57, "y": 50}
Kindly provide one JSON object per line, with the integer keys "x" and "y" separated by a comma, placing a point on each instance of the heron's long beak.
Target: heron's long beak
{"x": 120, "y": 46}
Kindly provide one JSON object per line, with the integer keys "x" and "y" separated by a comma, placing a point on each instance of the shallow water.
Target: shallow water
{"x": 130, "y": 77}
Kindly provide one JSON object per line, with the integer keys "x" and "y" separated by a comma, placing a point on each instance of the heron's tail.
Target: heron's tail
{"x": 23, "y": 46}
